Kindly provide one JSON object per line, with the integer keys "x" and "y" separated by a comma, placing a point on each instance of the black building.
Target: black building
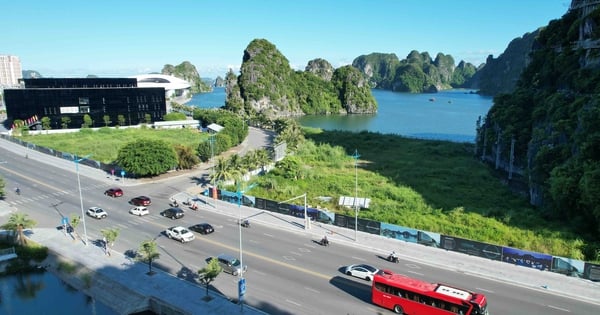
{"x": 58, "y": 98}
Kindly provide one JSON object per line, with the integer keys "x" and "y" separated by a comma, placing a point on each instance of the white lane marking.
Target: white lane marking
{"x": 313, "y": 290}
{"x": 358, "y": 258}
{"x": 292, "y": 302}
{"x": 484, "y": 290}
{"x": 413, "y": 266}
{"x": 558, "y": 308}
{"x": 297, "y": 254}
{"x": 416, "y": 273}
{"x": 259, "y": 272}
{"x": 269, "y": 235}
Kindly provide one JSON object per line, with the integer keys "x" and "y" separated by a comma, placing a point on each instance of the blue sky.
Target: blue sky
{"x": 70, "y": 38}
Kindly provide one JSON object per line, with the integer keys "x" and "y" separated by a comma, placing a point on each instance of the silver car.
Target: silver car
{"x": 230, "y": 264}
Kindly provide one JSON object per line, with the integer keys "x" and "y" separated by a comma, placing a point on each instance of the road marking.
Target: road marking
{"x": 484, "y": 290}
{"x": 304, "y": 250}
{"x": 292, "y": 302}
{"x": 358, "y": 258}
{"x": 297, "y": 254}
{"x": 413, "y": 266}
{"x": 269, "y": 235}
{"x": 289, "y": 258}
{"x": 558, "y": 308}
{"x": 313, "y": 290}
{"x": 416, "y": 273}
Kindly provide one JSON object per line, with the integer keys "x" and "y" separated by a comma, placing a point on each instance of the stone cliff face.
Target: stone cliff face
{"x": 417, "y": 73}
{"x": 268, "y": 86}
{"x": 500, "y": 75}
{"x": 188, "y": 72}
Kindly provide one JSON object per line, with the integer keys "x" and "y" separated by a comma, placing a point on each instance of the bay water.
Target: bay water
{"x": 448, "y": 115}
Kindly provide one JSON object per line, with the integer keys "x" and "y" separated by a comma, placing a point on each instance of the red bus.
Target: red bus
{"x": 406, "y": 295}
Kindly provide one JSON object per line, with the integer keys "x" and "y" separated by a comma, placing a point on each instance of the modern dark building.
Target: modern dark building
{"x": 58, "y": 98}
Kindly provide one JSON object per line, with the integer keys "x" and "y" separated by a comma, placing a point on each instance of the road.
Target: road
{"x": 288, "y": 273}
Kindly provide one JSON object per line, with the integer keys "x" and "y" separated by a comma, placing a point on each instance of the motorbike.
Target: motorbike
{"x": 174, "y": 204}
{"x": 18, "y": 191}
{"x": 187, "y": 203}
{"x": 194, "y": 206}
{"x": 245, "y": 224}
{"x": 324, "y": 242}
{"x": 392, "y": 258}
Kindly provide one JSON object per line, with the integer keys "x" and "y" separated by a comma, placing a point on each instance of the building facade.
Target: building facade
{"x": 66, "y": 101}
{"x": 10, "y": 71}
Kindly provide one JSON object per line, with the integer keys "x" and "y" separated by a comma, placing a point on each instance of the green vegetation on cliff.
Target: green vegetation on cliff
{"x": 188, "y": 72}
{"x": 267, "y": 86}
{"x": 553, "y": 116}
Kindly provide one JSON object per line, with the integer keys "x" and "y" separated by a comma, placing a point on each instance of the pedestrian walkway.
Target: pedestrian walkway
{"x": 120, "y": 282}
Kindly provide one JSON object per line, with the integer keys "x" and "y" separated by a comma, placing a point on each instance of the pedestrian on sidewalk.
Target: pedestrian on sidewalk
{"x": 105, "y": 245}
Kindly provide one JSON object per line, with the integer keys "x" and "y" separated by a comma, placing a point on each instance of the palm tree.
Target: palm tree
{"x": 147, "y": 253}
{"x": 223, "y": 171}
{"x": 17, "y": 222}
{"x": 263, "y": 158}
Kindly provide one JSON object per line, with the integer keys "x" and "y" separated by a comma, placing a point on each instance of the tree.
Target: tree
{"x": 121, "y": 120}
{"x": 75, "y": 220}
{"x": 186, "y": 157}
{"x": 223, "y": 171}
{"x": 87, "y": 121}
{"x": 147, "y": 118}
{"x": 148, "y": 253}
{"x": 46, "y": 123}
{"x": 106, "y": 119}
{"x": 209, "y": 273}
{"x": 65, "y": 121}
{"x": 110, "y": 235}
{"x": 147, "y": 157}
{"x": 263, "y": 158}
{"x": 17, "y": 222}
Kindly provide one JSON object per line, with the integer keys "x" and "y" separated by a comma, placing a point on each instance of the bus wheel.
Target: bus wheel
{"x": 398, "y": 309}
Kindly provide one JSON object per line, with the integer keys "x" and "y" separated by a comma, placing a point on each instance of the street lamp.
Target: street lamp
{"x": 355, "y": 156}
{"x": 76, "y": 160}
{"x": 242, "y": 281}
{"x": 306, "y": 218}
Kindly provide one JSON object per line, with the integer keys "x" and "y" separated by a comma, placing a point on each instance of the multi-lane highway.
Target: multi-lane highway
{"x": 288, "y": 273}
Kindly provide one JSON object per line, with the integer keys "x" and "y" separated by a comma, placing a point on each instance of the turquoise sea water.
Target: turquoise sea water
{"x": 447, "y": 115}
{"x": 45, "y": 294}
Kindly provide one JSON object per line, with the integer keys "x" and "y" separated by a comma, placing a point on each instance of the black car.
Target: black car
{"x": 173, "y": 213}
{"x": 202, "y": 228}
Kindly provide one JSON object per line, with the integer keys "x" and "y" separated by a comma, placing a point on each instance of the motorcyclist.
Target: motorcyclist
{"x": 393, "y": 256}
{"x": 325, "y": 241}
{"x": 18, "y": 190}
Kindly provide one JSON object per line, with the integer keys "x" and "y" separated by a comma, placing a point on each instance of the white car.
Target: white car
{"x": 180, "y": 233}
{"x": 139, "y": 211}
{"x": 362, "y": 271}
{"x": 96, "y": 212}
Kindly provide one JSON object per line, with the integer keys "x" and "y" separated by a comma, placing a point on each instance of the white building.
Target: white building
{"x": 174, "y": 87}
{"x": 10, "y": 71}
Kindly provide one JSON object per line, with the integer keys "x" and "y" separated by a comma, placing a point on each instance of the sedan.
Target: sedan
{"x": 114, "y": 192}
{"x": 139, "y": 211}
{"x": 202, "y": 228}
{"x": 362, "y": 271}
{"x": 97, "y": 213}
{"x": 141, "y": 201}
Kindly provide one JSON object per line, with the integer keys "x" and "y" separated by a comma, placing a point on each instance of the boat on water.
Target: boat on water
{"x": 432, "y": 99}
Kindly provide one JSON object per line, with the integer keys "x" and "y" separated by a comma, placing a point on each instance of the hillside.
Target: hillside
{"x": 188, "y": 72}
{"x": 553, "y": 116}
{"x": 267, "y": 86}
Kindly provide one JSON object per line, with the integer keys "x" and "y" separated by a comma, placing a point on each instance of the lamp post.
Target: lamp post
{"x": 76, "y": 160}
{"x": 355, "y": 156}
{"x": 242, "y": 281}
{"x": 306, "y": 218}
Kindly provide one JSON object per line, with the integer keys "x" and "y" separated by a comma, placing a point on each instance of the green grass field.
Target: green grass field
{"x": 104, "y": 144}
{"x": 436, "y": 186}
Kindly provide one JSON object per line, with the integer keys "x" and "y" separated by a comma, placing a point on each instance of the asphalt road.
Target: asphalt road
{"x": 288, "y": 273}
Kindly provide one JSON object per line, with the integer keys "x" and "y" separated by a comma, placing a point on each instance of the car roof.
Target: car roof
{"x": 226, "y": 257}
{"x": 175, "y": 209}
{"x": 368, "y": 267}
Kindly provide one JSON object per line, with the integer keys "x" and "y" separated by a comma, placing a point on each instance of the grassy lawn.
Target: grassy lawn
{"x": 104, "y": 144}
{"x": 436, "y": 186}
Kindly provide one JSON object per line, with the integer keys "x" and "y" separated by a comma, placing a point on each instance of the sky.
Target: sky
{"x": 116, "y": 38}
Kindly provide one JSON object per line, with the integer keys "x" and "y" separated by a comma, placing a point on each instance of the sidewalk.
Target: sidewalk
{"x": 546, "y": 281}
{"x": 124, "y": 284}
